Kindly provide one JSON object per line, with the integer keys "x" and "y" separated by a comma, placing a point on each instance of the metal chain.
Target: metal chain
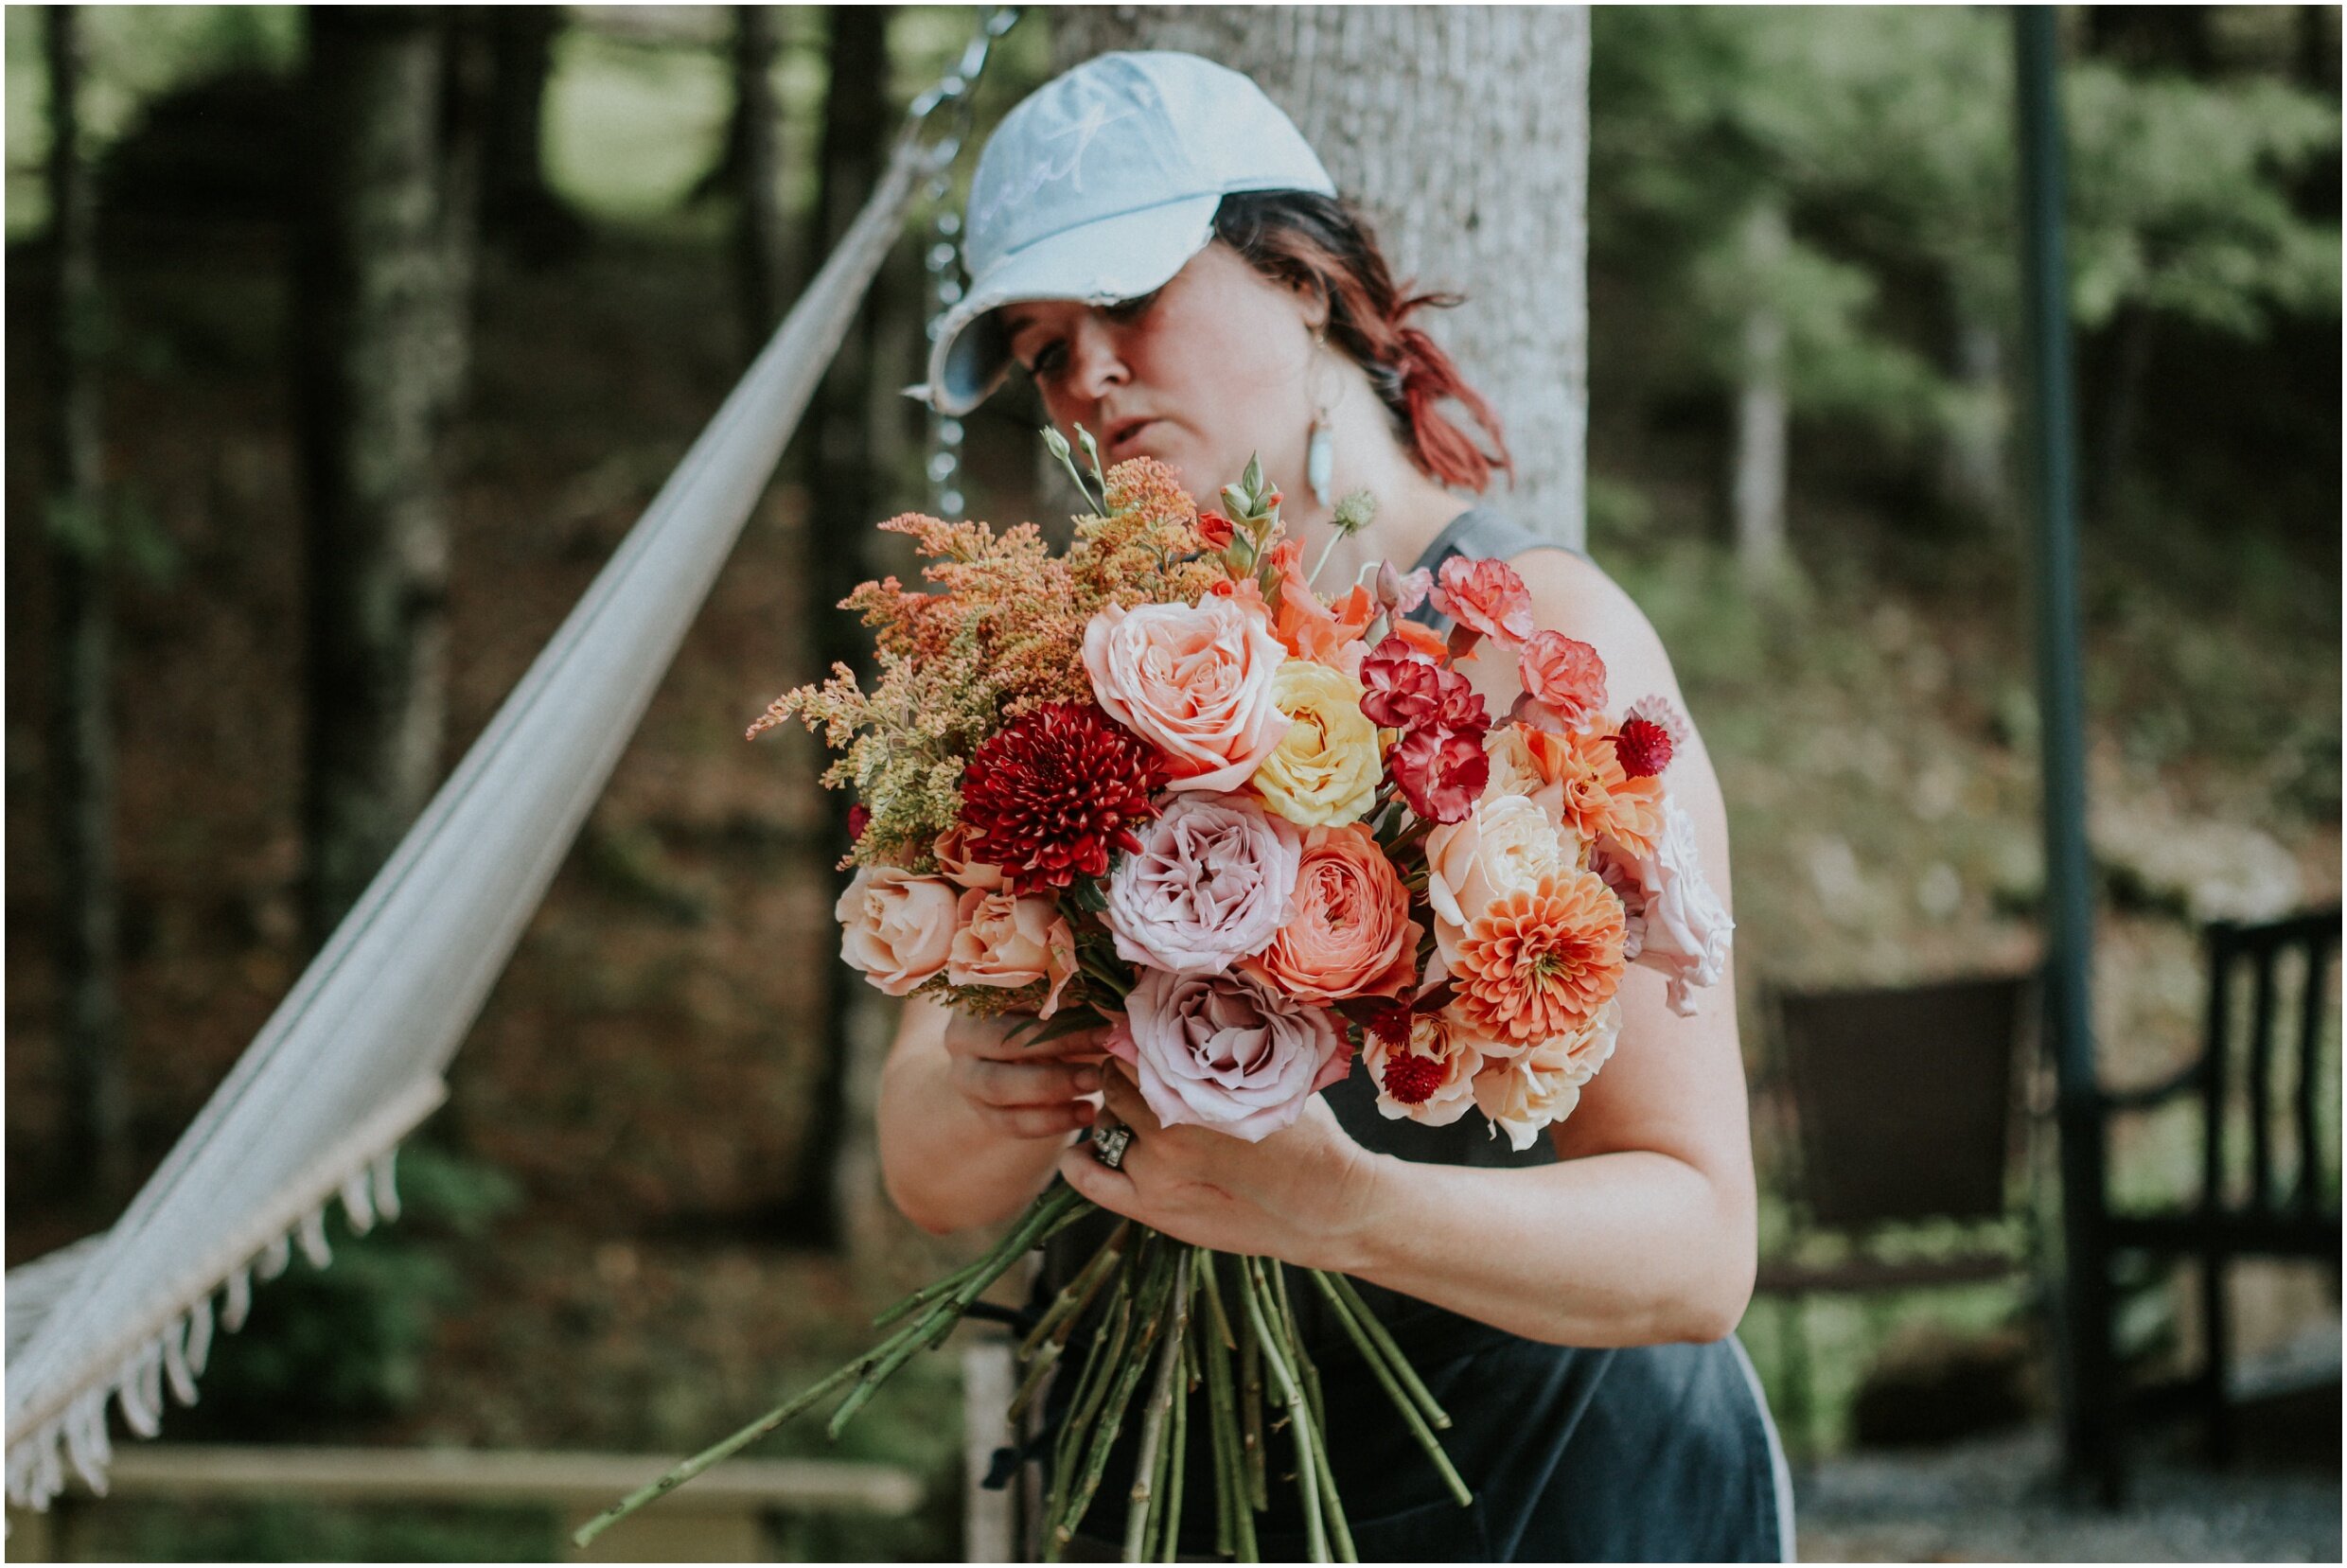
{"x": 941, "y": 253}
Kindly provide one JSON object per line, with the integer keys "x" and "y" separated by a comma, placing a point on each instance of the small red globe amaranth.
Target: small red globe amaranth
{"x": 860, "y": 817}
{"x": 1410, "y": 1080}
{"x": 1054, "y": 791}
{"x": 1643, "y": 747}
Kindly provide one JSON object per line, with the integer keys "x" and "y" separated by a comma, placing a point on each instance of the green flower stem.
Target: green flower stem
{"x": 1417, "y": 1422}
{"x": 1251, "y": 1402}
{"x": 1177, "y": 1462}
{"x": 1222, "y": 1420}
{"x": 1252, "y": 1291}
{"x": 1147, "y": 1469}
{"x": 1067, "y": 1307}
{"x": 930, "y": 1293}
{"x": 1068, "y": 1446}
{"x": 1150, "y": 1315}
{"x": 1400, "y": 1363}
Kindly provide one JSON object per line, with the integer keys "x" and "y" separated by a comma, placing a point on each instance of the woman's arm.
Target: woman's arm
{"x": 970, "y": 1124}
{"x": 1642, "y": 1233}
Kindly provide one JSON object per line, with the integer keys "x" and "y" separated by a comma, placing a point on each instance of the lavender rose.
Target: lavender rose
{"x": 1678, "y": 924}
{"x": 1213, "y": 881}
{"x": 1226, "y": 1051}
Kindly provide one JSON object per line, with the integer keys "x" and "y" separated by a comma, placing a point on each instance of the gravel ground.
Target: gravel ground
{"x": 1995, "y": 1499}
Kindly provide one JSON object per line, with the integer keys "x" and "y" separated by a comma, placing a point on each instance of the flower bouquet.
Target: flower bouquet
{"x": 1157, "y": 781}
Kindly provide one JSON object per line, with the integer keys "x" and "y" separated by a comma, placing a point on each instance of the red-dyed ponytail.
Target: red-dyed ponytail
{"x": 1302, "y": 238}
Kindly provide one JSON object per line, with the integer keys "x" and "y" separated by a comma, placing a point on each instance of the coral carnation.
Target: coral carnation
{"x": 1484, "y": 596}
{"x": 1538, "y": 963}
{"x": 1048, "y": 797}
{"x": 1564, "y": 675}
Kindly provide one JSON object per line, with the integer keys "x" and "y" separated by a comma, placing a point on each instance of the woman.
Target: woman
{"x": 1152, "y": 242}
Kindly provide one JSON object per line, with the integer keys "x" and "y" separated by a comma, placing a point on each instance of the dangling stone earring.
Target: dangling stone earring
{"x": 1320, "y": 448}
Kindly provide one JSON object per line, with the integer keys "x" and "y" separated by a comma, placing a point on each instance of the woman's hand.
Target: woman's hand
{"x": 1024, "y": 1091}
{"x": 1304, "y": 1194}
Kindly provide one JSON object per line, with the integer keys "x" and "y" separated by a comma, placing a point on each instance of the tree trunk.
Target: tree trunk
{"x": 759, "y": 258}
{"x": 519, "y": 209}
{"x": 1464, "y": 132}
{"x": 393, "y": 107}
{"x": 95, "y": 1153}
{"x": 1761, "y": 413}
{"x": 838, "y": 1186}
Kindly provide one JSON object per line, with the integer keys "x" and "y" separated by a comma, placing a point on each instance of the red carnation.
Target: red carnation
{"x": 1054, "y": 791}
{"x": 1440, "y": 772}
{"x": 1643, "y": 747}
{"x": 1402, "y": 691}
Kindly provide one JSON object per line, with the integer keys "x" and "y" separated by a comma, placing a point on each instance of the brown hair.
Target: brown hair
{"x": 1325, "y": 243}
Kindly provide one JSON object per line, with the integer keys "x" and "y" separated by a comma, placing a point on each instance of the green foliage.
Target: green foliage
{"x": 1885, "y": 135}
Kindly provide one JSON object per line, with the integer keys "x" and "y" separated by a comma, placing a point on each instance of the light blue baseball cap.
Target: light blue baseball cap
{"x": 1099, "y": 187}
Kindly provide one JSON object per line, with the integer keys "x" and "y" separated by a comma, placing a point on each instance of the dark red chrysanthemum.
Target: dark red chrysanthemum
{"x": 1643, "y": 747}
{"x": 1402, "y": 691}
{"x": 1440, "y": 772}
{"x": 1051, "y": 793}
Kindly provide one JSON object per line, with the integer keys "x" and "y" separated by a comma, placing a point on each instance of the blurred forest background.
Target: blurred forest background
{"x": 258, "y": 602}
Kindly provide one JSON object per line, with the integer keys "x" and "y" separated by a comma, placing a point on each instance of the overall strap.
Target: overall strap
{"x": 1480, "y": 533}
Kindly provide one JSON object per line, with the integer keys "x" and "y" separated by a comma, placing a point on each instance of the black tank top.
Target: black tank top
{"x": 1661, "y": 1453}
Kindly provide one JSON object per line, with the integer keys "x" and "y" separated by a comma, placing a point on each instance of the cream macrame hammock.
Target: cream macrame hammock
{"x": 353, "y": 1059}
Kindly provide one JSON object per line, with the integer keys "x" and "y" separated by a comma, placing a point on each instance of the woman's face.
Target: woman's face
{"x": 1199, "y": 375}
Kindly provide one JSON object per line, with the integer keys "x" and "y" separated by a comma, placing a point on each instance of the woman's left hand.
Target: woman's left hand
{"x": 1304, "y": 1194}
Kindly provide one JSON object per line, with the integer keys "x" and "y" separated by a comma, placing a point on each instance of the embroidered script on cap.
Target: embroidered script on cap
{"x": 1096, "y": 117}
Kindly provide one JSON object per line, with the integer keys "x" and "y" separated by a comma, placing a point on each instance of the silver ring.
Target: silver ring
{"x": 1109, "y": 1141}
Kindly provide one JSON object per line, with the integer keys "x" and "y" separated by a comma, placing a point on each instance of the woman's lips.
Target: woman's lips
{"x": 1118, "y": 448}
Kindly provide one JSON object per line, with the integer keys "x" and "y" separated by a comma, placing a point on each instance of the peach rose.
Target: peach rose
{"x": 1195, "y": 681}
{"x": 897, "y": 928}
{"x": 1502, "y": 847}
{"x": 1539, "y": 1087}
{"x": 1351, "y": 934}
{"x": 1010, "y": 942}
{"x": 1429, "y": 1076}
{"x": 953, "y": 859}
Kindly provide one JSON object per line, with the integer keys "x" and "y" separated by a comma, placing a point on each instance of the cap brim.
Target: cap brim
{"x": 1108, "y": 259}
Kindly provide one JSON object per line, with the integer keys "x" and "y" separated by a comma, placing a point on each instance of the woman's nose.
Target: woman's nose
{"x": 1094, "y": 364}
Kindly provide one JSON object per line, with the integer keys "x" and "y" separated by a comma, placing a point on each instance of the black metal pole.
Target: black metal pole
{"x": 2089, "y": 1429}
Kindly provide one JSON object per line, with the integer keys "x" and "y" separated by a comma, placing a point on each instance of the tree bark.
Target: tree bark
{"x": 392, "y": 111}
{"x": 1464, "y": 132}
{"x": 1973, "y": 471}
{"x": 760, "y": 256}
{"x": 95, "y": 1153}
{"x": 1762, "y": 418}
{"x": 837, "y": 1185}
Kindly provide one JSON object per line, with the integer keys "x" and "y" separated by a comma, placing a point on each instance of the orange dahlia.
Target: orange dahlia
{"x": 1537, "y": 962}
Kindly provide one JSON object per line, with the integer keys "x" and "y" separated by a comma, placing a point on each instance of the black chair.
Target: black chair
{"x": 2245, "y": 1207}
{"x": 1901, "y": 1105}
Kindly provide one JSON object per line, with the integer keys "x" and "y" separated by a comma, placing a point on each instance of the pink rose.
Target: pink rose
{"x": 1429, "y": 1076}
{"x": 1212, "y": 882}
{"x": 1195, "y": 682}
{"x": 1440, "y": 772}
{"x": 1486, "y": 596}
{"x": 1226, "y": 1051}
{"x": 1564, "y": 675}
{"x": 1351, "y": 934}
{"x": 1683, "y": 927}
{"x": 896, "y": 928}
{"x": 1010, "y": 942}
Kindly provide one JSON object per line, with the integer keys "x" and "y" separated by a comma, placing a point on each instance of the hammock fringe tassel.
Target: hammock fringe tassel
{"x": 175, "y": 1356}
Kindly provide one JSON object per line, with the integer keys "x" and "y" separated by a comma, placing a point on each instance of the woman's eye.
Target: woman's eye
{"x": 1048, "y": 361}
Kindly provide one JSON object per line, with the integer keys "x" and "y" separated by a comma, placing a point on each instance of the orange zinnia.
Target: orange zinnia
{"x": 1537, "y": 962}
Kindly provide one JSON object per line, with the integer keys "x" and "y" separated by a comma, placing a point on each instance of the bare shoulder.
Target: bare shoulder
{"x": 1575, "y": 595}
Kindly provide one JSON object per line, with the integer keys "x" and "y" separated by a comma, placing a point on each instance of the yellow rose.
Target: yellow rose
{"x": 1325, "y": 772}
